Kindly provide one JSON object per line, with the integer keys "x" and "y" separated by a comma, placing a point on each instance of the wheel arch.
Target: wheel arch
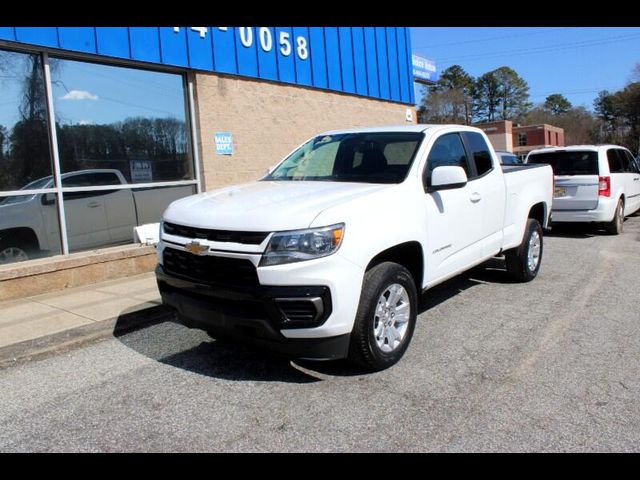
{"x": 27, "y": 236}
{"x": 408, "y": 254}
{"x": 539, "y": 212}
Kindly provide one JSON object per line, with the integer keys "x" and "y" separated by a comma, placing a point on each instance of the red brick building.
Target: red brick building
{"x": 522, "y": 139}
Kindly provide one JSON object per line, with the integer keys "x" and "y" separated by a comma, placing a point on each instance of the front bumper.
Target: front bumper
{"x": 254, "y": 315}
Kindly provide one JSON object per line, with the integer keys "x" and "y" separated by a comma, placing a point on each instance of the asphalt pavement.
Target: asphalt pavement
{"x": 552, "y": 365}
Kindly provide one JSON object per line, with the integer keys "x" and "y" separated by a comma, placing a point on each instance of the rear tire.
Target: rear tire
{"x": 386, "y": 317}
{"x": 523, "y": 262}
{"x": 615, "y": 226}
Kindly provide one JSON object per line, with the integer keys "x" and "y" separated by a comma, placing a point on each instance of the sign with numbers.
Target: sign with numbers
{"x": 368, "y": 61}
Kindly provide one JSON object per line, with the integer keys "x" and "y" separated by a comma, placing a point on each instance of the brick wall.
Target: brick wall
{"x": 268, "y": 120}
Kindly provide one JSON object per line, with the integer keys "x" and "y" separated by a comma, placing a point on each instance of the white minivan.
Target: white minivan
{"x": 593, "y": 183}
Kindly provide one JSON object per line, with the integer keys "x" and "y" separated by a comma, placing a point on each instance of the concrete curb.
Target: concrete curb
{"x": 62, "y": 342}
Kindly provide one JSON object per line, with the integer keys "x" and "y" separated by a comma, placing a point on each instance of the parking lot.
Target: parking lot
{"x": 552, "y": 365}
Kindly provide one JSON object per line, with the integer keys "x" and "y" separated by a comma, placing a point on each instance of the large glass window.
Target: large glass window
{"x": 29, "y": 222}
{"x": 24, "y": 140}
{"x": 125, "y": 119}
{"x": 115, "y": 126}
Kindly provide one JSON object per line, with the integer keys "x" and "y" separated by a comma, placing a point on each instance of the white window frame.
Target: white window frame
{"x": 57, "y": 189}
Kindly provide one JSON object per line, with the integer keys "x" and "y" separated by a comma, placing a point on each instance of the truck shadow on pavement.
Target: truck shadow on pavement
{"x": 192, "y": 350}
{"x": 154, "y": 333}
{"x": 576, "y": 230}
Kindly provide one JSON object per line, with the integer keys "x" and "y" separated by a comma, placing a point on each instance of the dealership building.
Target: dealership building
{"x": 102, "y": 127}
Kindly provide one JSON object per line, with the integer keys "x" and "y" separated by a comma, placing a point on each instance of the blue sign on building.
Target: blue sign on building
{"x": 369, "y": 61}
{"x": 224, "y": 143}
{"x": 424, "y": 69}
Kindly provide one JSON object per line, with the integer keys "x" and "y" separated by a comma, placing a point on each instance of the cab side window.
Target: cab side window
{"x": 479, "y": 151}
{"x": 447, "y": 151}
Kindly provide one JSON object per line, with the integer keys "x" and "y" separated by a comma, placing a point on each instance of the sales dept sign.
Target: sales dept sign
{"x": 224, "y": 143}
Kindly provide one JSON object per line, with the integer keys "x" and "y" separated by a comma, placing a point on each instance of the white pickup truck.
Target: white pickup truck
{"x": 324, "y": 258}
{"x": 29, "y": 223}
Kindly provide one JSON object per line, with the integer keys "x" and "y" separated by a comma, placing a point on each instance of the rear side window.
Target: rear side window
{"x": 479, "y": 151}
{"x": 616, "y": 161}
{"x": 629, "y": 161}
{"x": 568, "y": 163}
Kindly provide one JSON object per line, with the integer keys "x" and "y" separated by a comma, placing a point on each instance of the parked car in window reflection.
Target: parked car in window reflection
{"x": 29, "y": 224}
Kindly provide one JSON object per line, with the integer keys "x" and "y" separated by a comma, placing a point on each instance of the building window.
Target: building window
{"x": 557, "y": 139}
{"x": 28, "y": 222}
{"x": 123, "y": 150}
{"x": 522, "y": 139}
{"x": 116, "y": 117}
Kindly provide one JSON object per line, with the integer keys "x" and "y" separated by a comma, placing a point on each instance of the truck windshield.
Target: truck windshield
{"x": 381, "y": 157}
{"x": 568, "y": 163}
{"x": 34, "y": 185}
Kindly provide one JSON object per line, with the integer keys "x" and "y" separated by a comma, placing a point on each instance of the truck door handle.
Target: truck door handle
{"x": 93, "y": 204}
{"x": 475, "y": 197}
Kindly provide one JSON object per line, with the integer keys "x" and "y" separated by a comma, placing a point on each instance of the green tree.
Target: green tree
{"x": 635, "y": 75}
{"x": 619, "y": 113}
{"x": 3, "y": 141}
{"x": 460, "y": 85}
{"x": 557, "y": 104}
{"x": 500, "y": 94}
{"x": 606, "y": 110}
{"x": 450, "y": 99}
{"x": 627, "y": 107}
{"x": 513, "y": 93}
{"x": 485, "y": 98}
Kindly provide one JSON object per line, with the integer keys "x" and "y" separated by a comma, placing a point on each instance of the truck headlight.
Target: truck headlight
{"x": 299, "y": 245}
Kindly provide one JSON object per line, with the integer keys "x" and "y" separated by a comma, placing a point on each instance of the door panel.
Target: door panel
{"x": 453, "y": 231}
{"x": 86, "y": 220}
{"x": 454, "y": 217}
{"x": 121, "y": 215}
{"x": 632, "y": 183}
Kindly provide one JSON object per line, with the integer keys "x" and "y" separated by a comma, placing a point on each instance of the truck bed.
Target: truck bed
{"x": 523, "y": 166}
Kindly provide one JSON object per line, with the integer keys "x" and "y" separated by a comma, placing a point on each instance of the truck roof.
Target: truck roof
{"x": 574, "y": 148}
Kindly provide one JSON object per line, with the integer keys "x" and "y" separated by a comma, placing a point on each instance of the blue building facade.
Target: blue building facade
{"x": 368, "y": 61}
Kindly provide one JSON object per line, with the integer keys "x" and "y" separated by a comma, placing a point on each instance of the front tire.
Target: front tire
{"x": 12, "y": 252}
{"x": 386, "y": 317}
{"x": 615, "y": 226}
{"x": 523, "y": 262}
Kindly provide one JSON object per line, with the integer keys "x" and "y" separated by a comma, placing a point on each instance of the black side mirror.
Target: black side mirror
{"x": 48, "y": 199}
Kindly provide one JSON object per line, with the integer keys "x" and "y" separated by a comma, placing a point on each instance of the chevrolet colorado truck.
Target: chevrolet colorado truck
{"x": 325, "y": 257}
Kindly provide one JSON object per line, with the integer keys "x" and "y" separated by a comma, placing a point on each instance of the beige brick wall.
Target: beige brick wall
{"x": 268, "y": 120}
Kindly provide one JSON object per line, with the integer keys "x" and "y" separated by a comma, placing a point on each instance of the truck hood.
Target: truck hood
{"x": 265, "y": 206}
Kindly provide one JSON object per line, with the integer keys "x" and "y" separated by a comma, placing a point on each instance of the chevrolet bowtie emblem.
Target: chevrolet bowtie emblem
{"x": 196, "y": 248}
